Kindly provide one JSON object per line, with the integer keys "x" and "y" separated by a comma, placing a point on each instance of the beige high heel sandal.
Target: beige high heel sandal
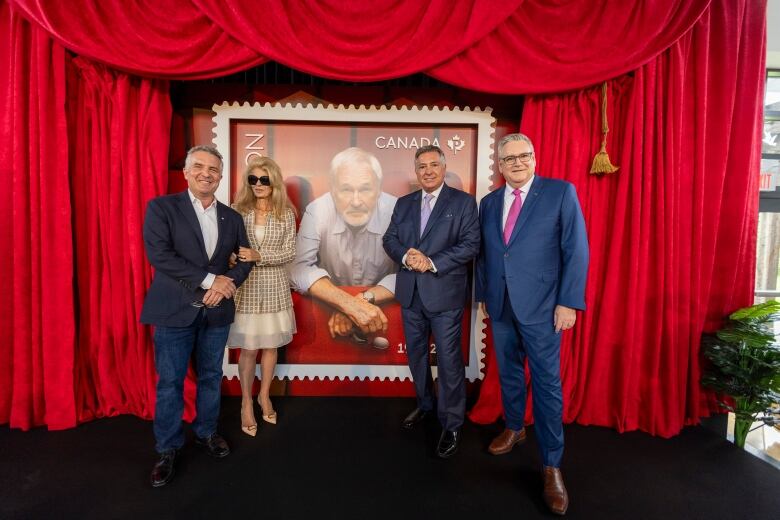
{"x": 250, "y": 430}
{"x": 269, "y": 418}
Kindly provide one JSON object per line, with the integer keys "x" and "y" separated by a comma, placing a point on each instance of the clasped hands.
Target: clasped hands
{"x": 223, "y": 287}
{"x": 417, "y": 261}
{"x": 357, "y": 313}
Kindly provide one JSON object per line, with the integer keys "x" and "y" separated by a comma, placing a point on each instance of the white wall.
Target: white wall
{"x": 773, "y": 34}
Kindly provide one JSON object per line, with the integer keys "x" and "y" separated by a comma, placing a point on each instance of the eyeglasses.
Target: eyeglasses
{"x": 265, "y": 180}
{"x": 199, "y": 304}
{"x": 198, "y": 301}
{"x": 512, "y": 159}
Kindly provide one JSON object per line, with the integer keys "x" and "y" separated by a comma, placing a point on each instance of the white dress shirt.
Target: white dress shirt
{"x": 435, "y": 194}
{"x": 207, "y": 218}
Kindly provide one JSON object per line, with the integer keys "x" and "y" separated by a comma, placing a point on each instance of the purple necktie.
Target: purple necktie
{"x": 426, "y": 212}
{"x": 514, "y": 212}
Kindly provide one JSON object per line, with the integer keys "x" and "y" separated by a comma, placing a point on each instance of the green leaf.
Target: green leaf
{"x": 749, "y": 336}
{"x": 744, "y": 361}
{"x": 758, "y": 311}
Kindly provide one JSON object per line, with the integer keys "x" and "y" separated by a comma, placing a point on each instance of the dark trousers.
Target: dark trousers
{"x": 539, "y": 342}
{"x": 173, "y": 347}
{"x": 446, "y": 328}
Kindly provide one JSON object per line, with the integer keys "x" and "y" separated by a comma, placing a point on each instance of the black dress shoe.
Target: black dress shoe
{"x": 417, "y": 416}
{"x": 448, "y": 444}
{"x": 163, "y": 470}
{"x": 214, "y": 445}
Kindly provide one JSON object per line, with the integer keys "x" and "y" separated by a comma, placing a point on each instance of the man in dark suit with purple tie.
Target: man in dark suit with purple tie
{"x": 434, "y": 236}
{"x": 531, "y": 275}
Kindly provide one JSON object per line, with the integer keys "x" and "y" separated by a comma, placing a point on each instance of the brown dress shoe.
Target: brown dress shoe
{"x": 506, "y": 440}
{"x": 555, "y": 495}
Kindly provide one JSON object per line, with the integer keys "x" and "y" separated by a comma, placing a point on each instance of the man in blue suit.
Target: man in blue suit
{"x": 434, "y": 236}
{"x": 531, "y": 275}
{"x": 189, "y": 238}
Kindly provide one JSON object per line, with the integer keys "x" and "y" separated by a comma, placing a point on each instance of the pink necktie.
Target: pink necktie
{"x": 514, "y": 212}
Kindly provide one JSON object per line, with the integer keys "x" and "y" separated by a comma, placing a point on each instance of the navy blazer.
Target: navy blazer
{"x": 450, "y": 240}
{"x": 175, "y": 248}
{"x": 546, "y": 261}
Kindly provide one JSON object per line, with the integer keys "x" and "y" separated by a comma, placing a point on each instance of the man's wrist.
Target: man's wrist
{"x": 368, "y": 296}
{"x": 208, "y": 281}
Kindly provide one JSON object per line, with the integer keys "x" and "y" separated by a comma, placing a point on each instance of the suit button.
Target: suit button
{"x": 506, "y": 255}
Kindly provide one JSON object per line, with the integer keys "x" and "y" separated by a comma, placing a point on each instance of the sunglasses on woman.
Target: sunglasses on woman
{"x": 265, "y": 180}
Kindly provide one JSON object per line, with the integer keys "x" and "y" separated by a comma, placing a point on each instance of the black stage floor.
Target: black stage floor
{"x": 349, "y": 458}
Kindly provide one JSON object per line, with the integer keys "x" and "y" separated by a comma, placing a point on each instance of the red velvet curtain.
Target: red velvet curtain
{"x": 365, "y": 41}
{"x": 672, "y": 233}
{"x": 119, "y": 132}
{"x": 557, "y": 45}
{"x": 508, "y": 46}
{"x": 37, "y": 320}
{"x": 157, "y": 38}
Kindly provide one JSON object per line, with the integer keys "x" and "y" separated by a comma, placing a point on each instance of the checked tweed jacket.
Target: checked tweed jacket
{"x": 267, "y": 289}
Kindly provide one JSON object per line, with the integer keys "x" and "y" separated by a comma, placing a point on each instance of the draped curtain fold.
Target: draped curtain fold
{"x": 552, "y": 46}
{"x": 119, "y": 127}
{"x": 483, "y": 45}
{"x": 364, "y": 41}
{"x": 672, "y": 233}
{"x": 37, "y": 322}
{"x": 156, "y": 38}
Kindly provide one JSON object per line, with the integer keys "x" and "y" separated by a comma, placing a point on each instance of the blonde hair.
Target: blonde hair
{"x": 245, "y": 197}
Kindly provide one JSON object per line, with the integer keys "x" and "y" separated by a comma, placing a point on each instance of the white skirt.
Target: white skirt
{"x": 266, "y": 330}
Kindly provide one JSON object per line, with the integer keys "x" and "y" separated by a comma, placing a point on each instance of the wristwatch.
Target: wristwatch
{"x": 368, "y": 296}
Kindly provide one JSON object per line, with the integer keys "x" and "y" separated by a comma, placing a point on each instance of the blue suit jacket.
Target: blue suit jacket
{"x": 175, "y": 248}
{"x": 546, "y": 261}
{"x": 450, "y": 240}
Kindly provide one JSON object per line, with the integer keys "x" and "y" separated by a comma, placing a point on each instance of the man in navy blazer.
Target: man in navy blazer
{"x": 531, "y": 275}
{"x": 434, "y": 236}
{"x": 189, "y": 239}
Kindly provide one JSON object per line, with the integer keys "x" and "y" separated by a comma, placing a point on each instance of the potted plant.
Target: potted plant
{"x": 745, "y": 367}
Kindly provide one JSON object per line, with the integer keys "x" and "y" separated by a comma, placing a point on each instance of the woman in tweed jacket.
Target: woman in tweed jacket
{"x": 264, "y": 315}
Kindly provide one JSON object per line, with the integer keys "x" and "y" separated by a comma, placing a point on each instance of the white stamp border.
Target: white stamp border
{"x": 485, "y": 124}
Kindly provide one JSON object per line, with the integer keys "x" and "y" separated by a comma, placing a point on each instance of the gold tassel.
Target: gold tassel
{"x": 601, "y": 162}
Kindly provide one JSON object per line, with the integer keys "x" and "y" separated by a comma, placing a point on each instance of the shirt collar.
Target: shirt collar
{"x": 525, "y": 189}
{"x": 195, "y": 200}
{"x": 435, "y": 192}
